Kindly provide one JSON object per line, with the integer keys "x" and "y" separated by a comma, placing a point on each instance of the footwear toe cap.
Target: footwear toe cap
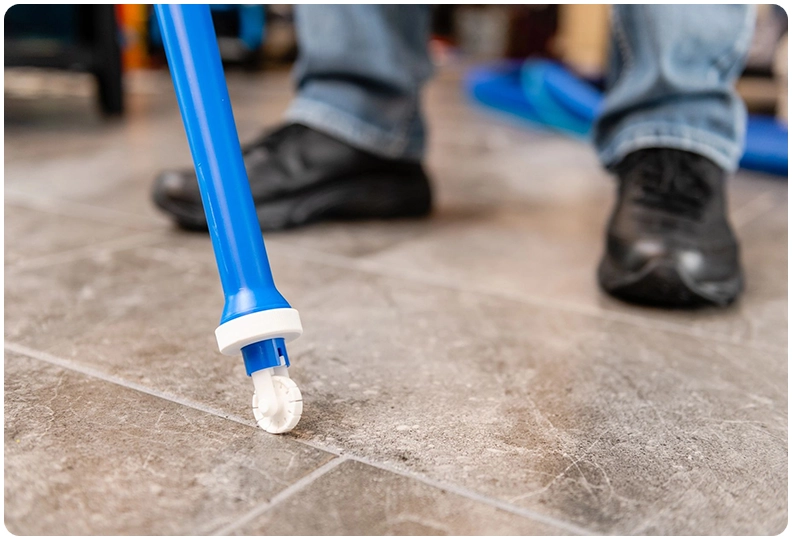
{"x": 177, "y": 185}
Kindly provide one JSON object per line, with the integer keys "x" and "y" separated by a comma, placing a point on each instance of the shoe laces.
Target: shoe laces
{"x": 670, "y": 180}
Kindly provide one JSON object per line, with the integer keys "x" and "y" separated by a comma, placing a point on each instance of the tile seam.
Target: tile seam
{"x": 65, "y": 207}
{"x": 279, "y": 497}
{"x": 478, "y": 497}
{"x": 120, "y": 381}
{"x": 338, "y": 453}
{"x": 339, "y": 261}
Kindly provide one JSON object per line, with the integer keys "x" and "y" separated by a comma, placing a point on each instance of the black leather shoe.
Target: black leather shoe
{"x": 299, "y": 175}
{"x": 669, "y": 242}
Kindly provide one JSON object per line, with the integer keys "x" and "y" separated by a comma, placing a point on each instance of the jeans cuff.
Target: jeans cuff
{"x": 724, "y": 152}
{"x": 352, "y": 130}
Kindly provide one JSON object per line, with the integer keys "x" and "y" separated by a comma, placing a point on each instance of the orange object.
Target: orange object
{"x": 133, "y": 24}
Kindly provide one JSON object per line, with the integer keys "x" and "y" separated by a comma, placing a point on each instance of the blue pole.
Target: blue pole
{"x": 194, "y": 60}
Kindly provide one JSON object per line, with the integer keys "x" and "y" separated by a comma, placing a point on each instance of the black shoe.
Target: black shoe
{"x": 669, "y": 242}
{"x": 299, "y": 175}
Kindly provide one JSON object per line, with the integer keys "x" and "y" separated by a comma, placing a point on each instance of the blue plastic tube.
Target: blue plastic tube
{"x": 194, "y": 60}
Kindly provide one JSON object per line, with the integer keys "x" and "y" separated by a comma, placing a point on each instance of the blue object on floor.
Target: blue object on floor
{"x": 546, "y": 94}
{"x": 552, "y": 111}
{"x": 766, "y": 145}
{"x": 500, "y": 88}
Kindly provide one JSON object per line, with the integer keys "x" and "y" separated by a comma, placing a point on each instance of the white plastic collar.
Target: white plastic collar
{"x": 254, "y": 327}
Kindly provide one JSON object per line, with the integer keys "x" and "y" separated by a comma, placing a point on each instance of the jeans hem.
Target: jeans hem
{"x": 351, "y": 130}
{"x": 724, "y": 152}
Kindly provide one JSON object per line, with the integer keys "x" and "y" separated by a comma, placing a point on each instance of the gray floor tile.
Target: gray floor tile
{"x": 764, "y": 253}
{"x": 549, "y": 254}
{"x": 473, "y": 348}
{"x": 357, "y": 499}
{"x": 84, "y": 456}
{"x": 113, "y": 170}
{"x": 56, "y": 151}
{"x": 596, "y": 422}
{"x": 31, "y": 235}
{"x": 95, "y": 311}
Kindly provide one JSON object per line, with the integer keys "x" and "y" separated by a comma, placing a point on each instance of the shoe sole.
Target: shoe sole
{"x": 390, "y": 197}
{"x": 663, "y": 284}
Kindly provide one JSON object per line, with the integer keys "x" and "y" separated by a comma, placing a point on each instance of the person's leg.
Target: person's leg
{"x": 671, "y": 127}
{"x": 354, "y": 136}
{"x": 671, "y": 81}
{"x": 360, "y": 72}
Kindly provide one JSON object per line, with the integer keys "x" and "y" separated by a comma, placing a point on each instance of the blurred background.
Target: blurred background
{"x": 113, "y": 43}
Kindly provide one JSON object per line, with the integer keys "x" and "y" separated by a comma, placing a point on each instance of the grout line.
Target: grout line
{"x": 294, "y": 488}
{"x": 85, "y": 370}
{"x": 340, "y": 455}
{"x": 71, "y": 255}
{"x": 744, "y": 215}
{"x": 478, "y": 497}
{"x": 79, "y": 210}
{"x": 370, "y": 267}
{"x": 340, "y": 261}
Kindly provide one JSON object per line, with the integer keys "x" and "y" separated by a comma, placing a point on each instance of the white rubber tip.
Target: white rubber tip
{"x": 288, "y": 411}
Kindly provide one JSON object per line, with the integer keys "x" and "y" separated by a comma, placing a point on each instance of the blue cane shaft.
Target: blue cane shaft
{"x": 197, "y": 72}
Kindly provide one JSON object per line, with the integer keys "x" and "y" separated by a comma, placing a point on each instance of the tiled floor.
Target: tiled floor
{"x": 461, "y": 375}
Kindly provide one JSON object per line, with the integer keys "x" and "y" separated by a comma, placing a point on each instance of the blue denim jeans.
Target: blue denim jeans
{"x": 670, "y": 83}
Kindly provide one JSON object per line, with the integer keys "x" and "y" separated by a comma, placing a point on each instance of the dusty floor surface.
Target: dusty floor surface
{"x": 461, "y": 375}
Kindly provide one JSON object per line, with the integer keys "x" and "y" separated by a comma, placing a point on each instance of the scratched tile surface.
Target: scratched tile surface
{"x": 357, "y": 499}
{"x": 84, "y": 456}
{"x": 467, "y": 365}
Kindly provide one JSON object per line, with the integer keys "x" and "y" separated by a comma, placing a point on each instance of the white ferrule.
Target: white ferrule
{"x": 254, "y": 327}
